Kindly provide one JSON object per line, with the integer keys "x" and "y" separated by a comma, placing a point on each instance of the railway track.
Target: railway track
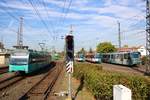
{"x": 3, "y": 70}
{"x": 43, "y": 87}
{"x": 10, "y": 81}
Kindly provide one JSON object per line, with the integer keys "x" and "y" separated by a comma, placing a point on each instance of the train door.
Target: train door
{"x": 117, "y": 60}
{"x": 112, "y": 58}
{"x": 125, "y": 59}
{"x": 121, "y": 58}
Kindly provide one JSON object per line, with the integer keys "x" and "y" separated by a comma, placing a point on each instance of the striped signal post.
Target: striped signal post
{"x": 69, "y": 61}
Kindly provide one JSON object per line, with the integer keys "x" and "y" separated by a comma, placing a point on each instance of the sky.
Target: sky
{"x": 93, "y": 22}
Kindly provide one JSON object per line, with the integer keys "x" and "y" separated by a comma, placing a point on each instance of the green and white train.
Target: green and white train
{"x": 28, "y": 61}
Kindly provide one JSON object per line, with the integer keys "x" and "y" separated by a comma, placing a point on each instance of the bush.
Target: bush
{"x": 144, "y": 60}
{"x": 101, "y": 82}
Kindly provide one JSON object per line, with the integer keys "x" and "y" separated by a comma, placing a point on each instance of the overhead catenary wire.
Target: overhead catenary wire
{"x": 5, "y": 9}
{"x": 49, "y": 22}
{"x": 58, "y": 23}
{"x": 67, "y": 11}
{"x": 40, "y": 17}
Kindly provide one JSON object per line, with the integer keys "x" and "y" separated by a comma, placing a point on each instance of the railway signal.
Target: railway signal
{"x": 69, "y": 53}
{"x": 69, "y": 48}
{"x": 69, "y": 60}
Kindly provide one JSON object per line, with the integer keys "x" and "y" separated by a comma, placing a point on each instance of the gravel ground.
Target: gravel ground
{"x": 79, "y": 92}
{"x": 125, "y": 69}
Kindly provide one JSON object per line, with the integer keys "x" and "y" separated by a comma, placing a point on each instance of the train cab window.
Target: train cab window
{"x": 135, "y": 55}
{"x": 97, "y": 56}
{"x": 17, "y": 61}
{"x": 112, "y": 56}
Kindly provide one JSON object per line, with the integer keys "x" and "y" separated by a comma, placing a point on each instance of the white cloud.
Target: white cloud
{"x": 85, "y": 13}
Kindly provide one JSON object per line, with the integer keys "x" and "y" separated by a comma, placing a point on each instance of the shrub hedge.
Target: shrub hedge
{"x": 100, "y": 82}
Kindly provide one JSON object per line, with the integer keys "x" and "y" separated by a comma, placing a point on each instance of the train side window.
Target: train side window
{"x": 117, "y": 56}
{"x": 129, "y": 56}
{"x": 126, "y": 56}
{"x": 112, "y": 56}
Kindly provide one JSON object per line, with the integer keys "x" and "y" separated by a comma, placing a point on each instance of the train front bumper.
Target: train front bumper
{"x": 16, "y": 68}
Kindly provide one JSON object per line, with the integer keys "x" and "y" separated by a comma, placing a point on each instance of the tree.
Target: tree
{"x": 82, "y": 51}
{"x": 125, "y": 46}
{"x": 105, "y": 47}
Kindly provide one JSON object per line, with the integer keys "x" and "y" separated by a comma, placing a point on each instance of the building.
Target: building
{"x": 4, "y": 58}
{"x": 1, "y": 46}
{"x": 127, "y": 49}
{"x": 142, "y": 50}
{"x": 4, "y": 55}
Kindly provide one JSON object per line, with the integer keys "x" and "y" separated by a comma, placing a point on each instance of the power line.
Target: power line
{"x": 61, "y": 16}
{"x": 39, "y": 15}
{"x": 67, "y": 11}
{"x": 130, "y": 35}
{"x": 63, "y": 11}
{"x": 131, "y": 26}
{"x": 5, "y": 10}
{"x": 47, "y": 13}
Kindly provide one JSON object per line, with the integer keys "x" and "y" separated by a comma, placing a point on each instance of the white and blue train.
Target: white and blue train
{"x": 93, "y": 57}
{"x": 122, "y": 58}
{"x": 80, "y": 57}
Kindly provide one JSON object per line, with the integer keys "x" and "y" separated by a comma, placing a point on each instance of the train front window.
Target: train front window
{"x": 81, "y": 56}
{"x": 135, "y": 55}
{"x": 97, "y": 56}
{"x": 18, "y": 61}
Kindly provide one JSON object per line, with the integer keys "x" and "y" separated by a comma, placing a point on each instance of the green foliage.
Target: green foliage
{"x": 105, "y": 47}
{"x": 100, "y": 82}
{"x": 144, "y": 60}
{"x": 125, "y": 46}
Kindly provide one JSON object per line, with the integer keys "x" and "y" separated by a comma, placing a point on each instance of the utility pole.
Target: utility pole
{"x": 71, "y": 29}
{"x": 119, "y": 34}
{"x": 20, "y": 34}
{"x": 2, "y": 39}
{"x": 42, "y": 45}
{"x": 148, "y": 36}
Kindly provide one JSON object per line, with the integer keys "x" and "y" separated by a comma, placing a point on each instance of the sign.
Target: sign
{"x": 69, "y": 67}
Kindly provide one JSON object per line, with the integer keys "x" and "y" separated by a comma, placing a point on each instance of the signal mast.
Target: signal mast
{"x": 148, "y": 36}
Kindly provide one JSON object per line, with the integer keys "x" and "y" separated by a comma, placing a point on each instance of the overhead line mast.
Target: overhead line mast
{"x": 20, "y": 34}
{"x": 148, "y": 36}
{"x": 119, "y": 35}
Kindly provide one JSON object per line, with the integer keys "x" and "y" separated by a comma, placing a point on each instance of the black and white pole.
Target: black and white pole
{"x": 148, "y": 36}
{"x": 69, "y": 60}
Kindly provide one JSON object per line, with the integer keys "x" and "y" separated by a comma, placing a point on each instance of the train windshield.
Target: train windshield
{"x": 97, "y": 56}
{"x": 135, "y": 55}
{"x": 18, "y": 61}
{"x": 81, "y": 56}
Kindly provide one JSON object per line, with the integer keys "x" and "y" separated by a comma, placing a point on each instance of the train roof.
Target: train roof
{"x": 27, "y": 52}
{"x": 121, "y": 52}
